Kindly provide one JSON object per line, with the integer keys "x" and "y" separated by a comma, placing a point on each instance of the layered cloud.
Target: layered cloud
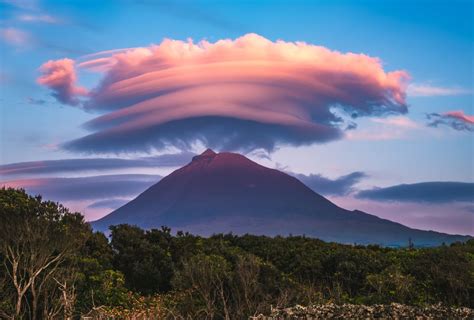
{"x": 86, "y": 188}
{"x": 449, "y": 217}
{"x": 240, "y": 94}
{"x": 457, "y": 120}
{"x": 92, "y": 164}
{"x": 338, "y": 187}
{"x": 108, "y": 204}
{"x": 441, "y": 206}
{"x": 60, "y": 77}
{"x": 425, "y": 192}
{"x": 93, "y": 196}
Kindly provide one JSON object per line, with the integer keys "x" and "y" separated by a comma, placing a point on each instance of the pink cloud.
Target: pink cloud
{"x": 245, "y": 93}
{"x": 85, "y": 188}
{"x": 400, "y": 121}
{"x": 426, "y": 90}
{"x": 80, "y": 193}
{"x": 460, "y": 115}
{"x": 60, "y": 77}
{"x": 456, "y": 119}
{"x": 24, "y": 183}
{"x": 393, "y": 128}
{"x": 15, "y": 37}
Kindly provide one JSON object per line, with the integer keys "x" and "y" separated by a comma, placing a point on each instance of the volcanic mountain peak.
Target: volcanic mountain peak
{"x": 227, "y": 192}
{"x": 208, "y": 154}
{"x": 210, "y": 160}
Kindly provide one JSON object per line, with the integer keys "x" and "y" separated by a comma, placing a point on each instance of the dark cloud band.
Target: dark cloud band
{"x": 214, "y": 132}
{"x": 429, "y": 192}
{"x": 93, "y": 164}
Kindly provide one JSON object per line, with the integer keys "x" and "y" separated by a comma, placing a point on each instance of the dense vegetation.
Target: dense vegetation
{"x": 54, "y": 266}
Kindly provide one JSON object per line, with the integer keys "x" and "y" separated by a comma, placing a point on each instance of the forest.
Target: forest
{"x": 54, "y": 266}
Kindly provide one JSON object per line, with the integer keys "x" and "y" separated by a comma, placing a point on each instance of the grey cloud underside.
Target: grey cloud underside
{"x": 435, "y": 120}
{"x": 220, "y": 133}
{"x": 325, "y": 186}
{"x": 226, "y": 132}
{"x": 94, "y": 187}
{"x": 93, "y": 164}
{"x": 108, "y": 204}
{"x": 427, "y": 192}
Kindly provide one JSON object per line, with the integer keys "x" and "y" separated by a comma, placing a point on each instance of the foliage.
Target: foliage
{"x": 68, "y": 270}
{"x": 39, "y": 246}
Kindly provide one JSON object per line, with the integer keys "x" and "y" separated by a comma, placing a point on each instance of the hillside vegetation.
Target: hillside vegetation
{"x": 54, "y": 266}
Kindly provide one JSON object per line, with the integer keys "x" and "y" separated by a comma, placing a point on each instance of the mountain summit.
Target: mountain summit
{"x": 209, "y": 153}
{"x": 227, "y": 192}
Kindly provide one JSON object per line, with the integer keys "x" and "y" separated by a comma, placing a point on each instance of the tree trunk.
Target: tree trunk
{"x": 18, "y": 306}
{"x": 34, "y": 302}
{"x": 224, "y": 302}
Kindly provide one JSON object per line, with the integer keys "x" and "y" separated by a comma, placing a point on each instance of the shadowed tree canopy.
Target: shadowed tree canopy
{"x": 39, "y": 241}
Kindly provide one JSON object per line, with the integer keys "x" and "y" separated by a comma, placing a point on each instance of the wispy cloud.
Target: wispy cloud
{"x": 70, "y": 166}
{"x": 85, "y": 188}
{"x": 34, "y": 101}
{"x": 22, "y": 4}
{"x": 427, "y": 90}
{"x": 326, "y": 186}
{"x": 108, "y": 204}
{"x": 400, "y": 122}
{"x": 24, "y": 40}
{"x": 457, "y": 120}
{"x": 15, "y": 37}
{"x": 43, "y": 18}
{"x": 398, "y": 127}
{"x": 94, "y": 196}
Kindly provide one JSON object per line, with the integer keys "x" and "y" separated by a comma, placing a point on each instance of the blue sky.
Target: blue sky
{"x": 431, "y": 40}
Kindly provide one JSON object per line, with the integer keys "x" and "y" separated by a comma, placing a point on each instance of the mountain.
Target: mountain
{"x": 227, "y": 192}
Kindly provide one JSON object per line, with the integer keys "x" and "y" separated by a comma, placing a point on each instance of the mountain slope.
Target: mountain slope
{"x": 227, "y": 192}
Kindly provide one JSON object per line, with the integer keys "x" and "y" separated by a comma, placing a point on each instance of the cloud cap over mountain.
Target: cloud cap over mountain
{"x": 240, "y": 94}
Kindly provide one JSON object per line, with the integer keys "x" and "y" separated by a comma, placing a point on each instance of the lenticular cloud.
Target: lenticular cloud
{"x": 240, "y": 94}
{"x": 60, "y": 77}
